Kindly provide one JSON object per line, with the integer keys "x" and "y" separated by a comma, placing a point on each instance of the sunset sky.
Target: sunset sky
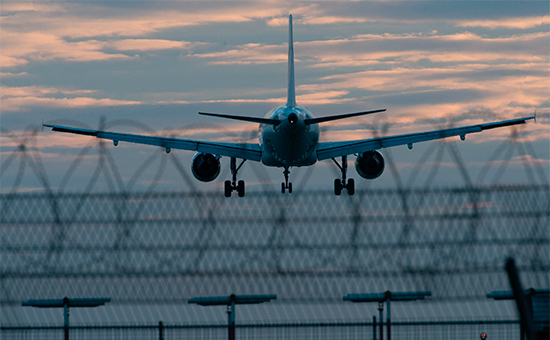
{"x": 149, "y": 67}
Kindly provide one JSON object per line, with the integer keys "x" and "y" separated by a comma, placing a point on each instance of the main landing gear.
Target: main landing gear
{"x": 231, "y": 186}
{"x": 341, "y": 184}
{"x": 286, "y": 185}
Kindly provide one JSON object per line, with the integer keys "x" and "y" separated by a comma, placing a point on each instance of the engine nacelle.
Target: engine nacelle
{"x": 370, "y": 164}
{"x": 205, "y": 167}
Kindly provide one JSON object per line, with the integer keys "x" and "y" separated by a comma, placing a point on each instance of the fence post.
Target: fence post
{"x": 66, "y": 312}
{"x": 380, "y": 310}
{"x": 388, "y": 316}
{"x": 231, "y": 318}
{"x": 161, "y": 331}
{"x": 374, "y": 327}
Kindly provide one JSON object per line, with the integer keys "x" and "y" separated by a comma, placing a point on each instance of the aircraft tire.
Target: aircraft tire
{"x": 228, "y": 188}
{"x": 351, "y": 187}
{"x": 290, "y": 188}
{"x": 337, "y": 187}
{"x": 240, "y": 188}
{"x": 283, "y": 187}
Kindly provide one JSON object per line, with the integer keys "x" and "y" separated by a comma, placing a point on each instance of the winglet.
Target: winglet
{"x": 535, "y": 117}
{"x": 291, "y": 99}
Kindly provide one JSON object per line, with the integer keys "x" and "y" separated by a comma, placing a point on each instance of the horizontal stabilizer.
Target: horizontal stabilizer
{"x": 246, "y": 119}
{"x": 348, "y": 115}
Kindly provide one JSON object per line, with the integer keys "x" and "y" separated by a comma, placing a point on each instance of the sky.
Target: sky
{"x": 149, "y": 67}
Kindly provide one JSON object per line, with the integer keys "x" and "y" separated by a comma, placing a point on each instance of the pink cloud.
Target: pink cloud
{"x": 16, "y": 98}
{"x": 10, "y": 7}
{"x": 517, "y": 23}
{"x": 248, "y": 54}
{"x": 18, "y": 48}
{"x": 147, "y": 44}
{"x": 12, "y": 75}
{"x": 8, "y": 62}
{"x": 16, "y": 104}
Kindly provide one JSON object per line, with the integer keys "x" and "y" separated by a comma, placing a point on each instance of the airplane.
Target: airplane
{"x": 289, "y": 137}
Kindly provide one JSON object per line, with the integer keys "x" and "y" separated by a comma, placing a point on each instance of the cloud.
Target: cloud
{"x": 516, "y": 23}
{"x": 16, "y": 104}
{"x": 19, "y": 48}
{"x": 247, "y": 54}
{"x": 17, "y": 98}
{"x": 12, "y": 75}
{"x": 43, "y": 33}
{"x": 8, "y": 62}
{"x": 12, "y": 7}
{"x": 313, "y": 19}
{"x": 147, "y": 44}
{"x": 393, "y": 49}
{"x": 29, "y": 91}
{"x": 102, "y": 20}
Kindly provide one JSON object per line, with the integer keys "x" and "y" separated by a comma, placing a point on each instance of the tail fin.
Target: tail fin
{"x": 291, "y": 99}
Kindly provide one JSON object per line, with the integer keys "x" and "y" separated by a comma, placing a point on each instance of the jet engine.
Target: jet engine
{"x": 370, "y": 164}
{"x": 205, "y": 167}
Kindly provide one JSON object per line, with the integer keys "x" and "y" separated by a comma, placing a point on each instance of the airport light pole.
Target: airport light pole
{"x": 66, "y": 303}
{"x": 231, "y": 301}
{"x": 387, "y": 297}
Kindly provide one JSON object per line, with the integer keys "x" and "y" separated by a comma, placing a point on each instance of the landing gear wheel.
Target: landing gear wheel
{"x": 351, "y": 187}
{"x": 337, "y": 187}
{"x": 228, "y": 188}
{"x": 290, "y": 188}
{"x": 283, "y": 188}
{"x": 348, "y": 185}
{"x": 240, "y": 188}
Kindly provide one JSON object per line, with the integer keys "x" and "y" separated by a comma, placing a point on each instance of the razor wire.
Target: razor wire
{"x": 161, "y": 247}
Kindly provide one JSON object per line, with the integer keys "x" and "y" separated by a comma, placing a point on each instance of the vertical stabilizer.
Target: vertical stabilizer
{"x": 291, "y": 99}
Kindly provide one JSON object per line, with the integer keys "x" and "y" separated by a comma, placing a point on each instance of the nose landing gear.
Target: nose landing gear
{"x": 231, "y": 186}
{"x": 286, "y": 185}
{"x": 349, "y": 185}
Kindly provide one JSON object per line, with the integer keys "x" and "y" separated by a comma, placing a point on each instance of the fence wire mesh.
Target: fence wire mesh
{"x": 160, "y": 247}
{"x": 164, "y": 247}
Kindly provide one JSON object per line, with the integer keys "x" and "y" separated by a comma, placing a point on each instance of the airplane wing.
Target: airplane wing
{"x": 337, "y": 149}
{"x": 243, "y": 151}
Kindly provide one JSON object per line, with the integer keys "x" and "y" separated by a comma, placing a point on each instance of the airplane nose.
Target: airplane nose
{"x": 292, "y": 118}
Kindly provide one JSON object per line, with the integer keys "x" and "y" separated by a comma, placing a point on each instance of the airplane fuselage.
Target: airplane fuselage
{"x": 292, "y": 142}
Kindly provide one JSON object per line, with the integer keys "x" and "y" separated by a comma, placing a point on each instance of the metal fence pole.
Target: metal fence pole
{"x": 388, "y": 316}
{"x": 231, "y": 319}
{"x": 66, "y": 317}
{"x": 380, "y": 310}
{"x": 374, "y": 327}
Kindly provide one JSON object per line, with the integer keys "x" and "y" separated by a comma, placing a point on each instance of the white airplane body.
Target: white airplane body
{"x": 289, "y": 137}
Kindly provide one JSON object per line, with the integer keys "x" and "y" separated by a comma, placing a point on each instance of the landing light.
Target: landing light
{"x": 292, "y": 118}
